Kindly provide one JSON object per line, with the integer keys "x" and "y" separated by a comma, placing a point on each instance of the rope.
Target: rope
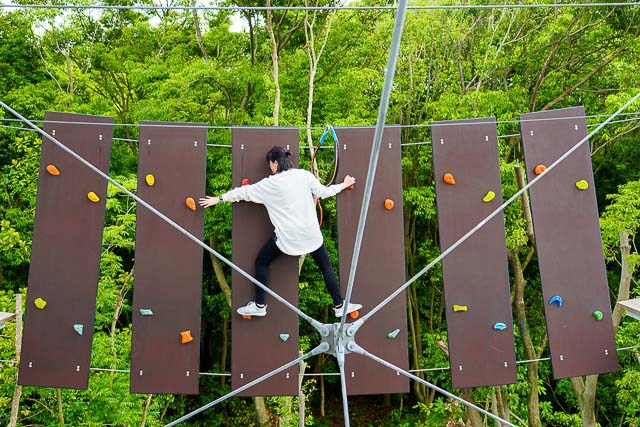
{"x": 330, "y": 374}
{"x": 301, "y": 128}
{"x": 404, "y": 144}
{"x": 318, "y": 8}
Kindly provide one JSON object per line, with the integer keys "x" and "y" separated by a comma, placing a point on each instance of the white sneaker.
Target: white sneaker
{"x": 352, "y": 307}
{"x": 252, "y": 309}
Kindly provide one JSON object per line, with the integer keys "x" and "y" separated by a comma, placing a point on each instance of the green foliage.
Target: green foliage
{"x": 147, "y": 65}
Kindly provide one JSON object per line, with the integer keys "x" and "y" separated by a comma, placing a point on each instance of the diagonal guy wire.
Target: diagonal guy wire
{"x": 317, "y": 325}
{"x": 394, "y": 49}
{"x": 353, "y": 328}
{"x": 324, "y": 346}
{"x": 359, "y": 350}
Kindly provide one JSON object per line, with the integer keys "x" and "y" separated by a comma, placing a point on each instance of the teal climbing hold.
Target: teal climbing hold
{"x": 284, "y": 337}
{"x": 146, "y": 312}
{"x": 78, "y": 328}
{"x": 499, "y": 326}
{"x": 393, "y": 333}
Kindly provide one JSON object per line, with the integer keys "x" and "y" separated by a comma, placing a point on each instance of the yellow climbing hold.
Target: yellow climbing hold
{"x": 489, "y": 196}
{"x": 459, "y": 307}
{"x": 40, "y": 303}
{"x": 150, "y": 180}
{"x": 582, "y": 184}
{"x": 53, "y": 170}
{"x": 185, "y": 337}
{"x": 93, "y": 197}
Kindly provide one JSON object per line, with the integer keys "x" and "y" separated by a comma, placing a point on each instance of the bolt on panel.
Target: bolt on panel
{"x": 569, "y": 244}
{"x": 258, "y": 344}
{"x": 381, "y": 265}
{"x": 466, "y": 167}
{"x": 167, "y": 293}
{"x": 65, "y": 255}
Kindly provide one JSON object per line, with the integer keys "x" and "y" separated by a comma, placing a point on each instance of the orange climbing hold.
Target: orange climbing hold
{"x": 53, "y": 170}
{"x": 191, "y": 204}
{"x": 93, "y": 197}
{"x": 449, "y": 179}
{"x": 388, "y": 204}
{"x": 185, "y": 337}
{"x": 539, "y": 169}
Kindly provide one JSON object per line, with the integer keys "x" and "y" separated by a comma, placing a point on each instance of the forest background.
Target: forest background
{"x": 308, "y": 68}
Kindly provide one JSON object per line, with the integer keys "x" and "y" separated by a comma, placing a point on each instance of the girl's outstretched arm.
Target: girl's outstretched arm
{"x": 207, "y": 202}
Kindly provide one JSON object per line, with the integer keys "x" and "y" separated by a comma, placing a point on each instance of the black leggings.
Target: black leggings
{"x": 270, "y": 252}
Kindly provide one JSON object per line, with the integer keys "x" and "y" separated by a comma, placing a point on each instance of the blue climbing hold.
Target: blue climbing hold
{"x": 499, "y": 326}
{"x": 557, "y": 299}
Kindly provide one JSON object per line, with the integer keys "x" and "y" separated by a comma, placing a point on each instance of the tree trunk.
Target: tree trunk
{"x": 225, "y": 346}
{"x": 301, "y": 397}
{"x": 475, "y": 419}
{"x": 60, "y": 412}
{"x": 17, "y": 391}
{"x": 418, "y": 388}
{"x": 585, "y": 388}
{"x": 533, "y": 403}
{"x": 145, "y": 410}
{"x": 261, "y": 411}
{"x": 274, "y": 59}
{"x": 198, "y": 33}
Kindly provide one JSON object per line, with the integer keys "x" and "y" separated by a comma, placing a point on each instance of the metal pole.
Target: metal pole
{"x": 375, "y": 149}
{"x": 357, "y": 349}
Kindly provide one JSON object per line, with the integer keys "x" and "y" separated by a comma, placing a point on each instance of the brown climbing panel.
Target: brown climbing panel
{"x": 475, "y": 274}
{"x": 168, "y": 265}
{"x": 569, "y": 245}
{"x": 381, "y": 266}
{"x": 257, "y": 346}
{"x": 65, "y": 255}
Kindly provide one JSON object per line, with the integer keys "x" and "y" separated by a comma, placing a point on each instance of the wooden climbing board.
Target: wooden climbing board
{"x": 261, "y": 344}
{"x": 65, "y": 255}
{"x": 569, "y": 245}
{"x": 475, "y": 274}
{"x": 165, "y": 342}
{"x": 381, "y": 265}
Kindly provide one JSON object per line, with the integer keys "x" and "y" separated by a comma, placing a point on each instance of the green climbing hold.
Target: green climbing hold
{"x": 597, "y": 314}
{"x": 489, "y": 197}
{"x": 582, "y": 184}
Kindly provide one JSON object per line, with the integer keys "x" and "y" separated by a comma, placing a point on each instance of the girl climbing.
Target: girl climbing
{"x": 288, "y": 196}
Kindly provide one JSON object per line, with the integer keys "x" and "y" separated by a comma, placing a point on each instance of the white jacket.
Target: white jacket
{"x": 288, "y": 197}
